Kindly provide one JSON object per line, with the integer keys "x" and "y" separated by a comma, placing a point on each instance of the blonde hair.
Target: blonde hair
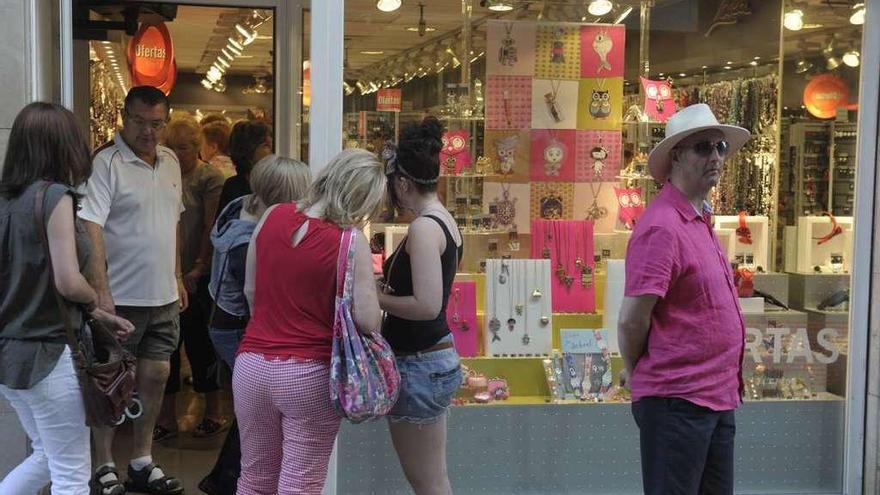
{"x": 351, "y": 188}
{"x": 277, "y": 179}
{"x": 183, "y": 129}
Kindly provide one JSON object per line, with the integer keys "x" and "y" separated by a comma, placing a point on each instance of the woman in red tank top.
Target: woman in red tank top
{"x": 282, "y": 372}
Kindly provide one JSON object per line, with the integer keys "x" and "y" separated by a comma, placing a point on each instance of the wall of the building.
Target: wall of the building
{"x": 19, "y": 84}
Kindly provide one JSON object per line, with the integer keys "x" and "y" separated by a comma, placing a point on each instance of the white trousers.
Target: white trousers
{"x": 52, "y": 415}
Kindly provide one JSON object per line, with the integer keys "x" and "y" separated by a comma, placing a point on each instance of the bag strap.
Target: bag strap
{"x": 40, "y": 225}
{"x": 345, "y": 246}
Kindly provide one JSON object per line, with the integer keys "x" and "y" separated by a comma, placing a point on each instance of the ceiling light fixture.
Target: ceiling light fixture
{"x": 831, "y": 60}
{"x": 235, "y": 44}
{"x": 206, "y": 84}
{"x": 858, "y": 14}
{"x": 793, "y": 20}
{"x": 753, "y": 63}
{"x": 223, "y": 62}
{"x": 423, "y": 26}
{"x": 500, "y": 6}
{"x": 372, "y": 52}
{"x": 852, "y": 58}
{"x": 232, "y": 49}
{"x": 599, "y": 8}
{"x": 802, "y": 66}
{"x": 388, "y": 5}
{"x": 225, "y": 53}
{"x": 218, "y": 67}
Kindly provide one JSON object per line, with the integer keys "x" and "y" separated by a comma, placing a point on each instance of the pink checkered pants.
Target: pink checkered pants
{"x": 287, "y": 424}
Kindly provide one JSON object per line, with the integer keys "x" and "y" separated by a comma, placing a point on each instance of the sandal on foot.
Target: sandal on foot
{"x": 161, "y": 433}
{"x": 208, "y": 428}
{"x": 139, "y": 481}
{"x": 109, "y": 487}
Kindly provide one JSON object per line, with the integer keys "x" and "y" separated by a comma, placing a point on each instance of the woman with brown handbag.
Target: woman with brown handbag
{"x": 46, "y": 145}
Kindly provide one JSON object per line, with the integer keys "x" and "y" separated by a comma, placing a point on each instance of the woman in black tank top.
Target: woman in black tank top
{"x": 418, "y": 280}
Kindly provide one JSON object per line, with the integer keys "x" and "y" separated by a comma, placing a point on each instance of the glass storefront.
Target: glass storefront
{"x": 550, "y": 110}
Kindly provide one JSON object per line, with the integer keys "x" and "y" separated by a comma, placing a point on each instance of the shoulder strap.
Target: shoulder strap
{"x": 40, "y": 226}
{"x": 342, "y": 261}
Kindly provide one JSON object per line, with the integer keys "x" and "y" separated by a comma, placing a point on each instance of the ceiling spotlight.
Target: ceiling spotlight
{"x": 858, "y": 14}
{"x": 213, "y": 75}
{"x": 727, "y": 67}
{"x": 682, "y": 74}
{"x": 205, "y": 84}
{"x": 625, "y": 11}
{"x": 372, "y": 52}
{"x": 223, "y": 63}
{"x": 802, "y": 66}
{"x": 831, "y": 60}
{"x": 249, "y": 35}
{"x": 220, "y": 86}
{"x": 753, "y": 63}
{"x": 348, "y": 89}
{"x": 415, "y": 29}
{"x": 388, "y": 5}
{"x": 500, "y": 5}
{"x": 599, "y": 8}
{"x": 793, "y": 20}
{"x": 455, "y": 61}
{"x": 217, "y": 66}
{"x": 851, "y": 58}
{"x": 225, "y": 53}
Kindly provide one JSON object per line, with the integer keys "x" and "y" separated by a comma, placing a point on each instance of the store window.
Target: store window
{"x": 210, "y": 61}
{"x": 550, "y": 110}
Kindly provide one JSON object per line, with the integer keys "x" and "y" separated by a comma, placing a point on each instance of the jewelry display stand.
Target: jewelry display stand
{"x": 568, "y": 244}
{"x": 461, "y": 316}
{"x": 834, "y": 254}
{"x": 518, "y": 317}
{"x": 615, "y": 277}
{"x": 758, "y": 227}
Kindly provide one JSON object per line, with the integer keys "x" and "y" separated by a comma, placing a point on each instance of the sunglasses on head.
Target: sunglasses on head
{"x": 705, "y": 148}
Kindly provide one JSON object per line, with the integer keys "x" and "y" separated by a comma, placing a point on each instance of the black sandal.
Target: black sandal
{"x": 111, "y": 487}
{"x": 139, "y": 481}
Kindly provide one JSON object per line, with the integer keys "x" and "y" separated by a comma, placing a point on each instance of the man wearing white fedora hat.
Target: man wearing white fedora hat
{"x": 680, "y": 329}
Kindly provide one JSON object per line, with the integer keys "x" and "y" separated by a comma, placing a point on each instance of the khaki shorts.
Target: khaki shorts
{"x": 156, "y": 330}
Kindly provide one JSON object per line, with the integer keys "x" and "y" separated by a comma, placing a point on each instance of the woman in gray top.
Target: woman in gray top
{"x": 37, "y": 376}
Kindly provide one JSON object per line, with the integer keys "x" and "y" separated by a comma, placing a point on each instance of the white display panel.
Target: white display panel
{"x": 811, "y": 254}
{"x": 757, "y": 250}
{"x": 526, "y": 285}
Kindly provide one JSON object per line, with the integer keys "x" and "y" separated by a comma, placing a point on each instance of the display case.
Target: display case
{"x": 751, "y": 239}
{"x": 824, "y": 244}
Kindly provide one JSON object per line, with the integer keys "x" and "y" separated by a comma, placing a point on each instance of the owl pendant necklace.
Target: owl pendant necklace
{"x": 551, "y": 99}
{"x": 600, "y": 102}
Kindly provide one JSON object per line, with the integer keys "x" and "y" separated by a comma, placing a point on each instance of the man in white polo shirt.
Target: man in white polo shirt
{"x": 131, "y": 209}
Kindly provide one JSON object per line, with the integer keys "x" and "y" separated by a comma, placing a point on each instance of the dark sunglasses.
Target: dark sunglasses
{"x": 704, "y": 148}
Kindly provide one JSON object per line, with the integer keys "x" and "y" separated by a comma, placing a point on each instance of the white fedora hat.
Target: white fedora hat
{"x": 687, "y": 121}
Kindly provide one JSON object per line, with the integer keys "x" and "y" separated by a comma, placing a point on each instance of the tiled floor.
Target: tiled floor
{"x": 184, "y": 457}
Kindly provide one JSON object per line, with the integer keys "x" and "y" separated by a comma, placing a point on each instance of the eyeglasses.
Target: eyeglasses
{"x": 704, "y": 149}
{"x": 156, "y": 125}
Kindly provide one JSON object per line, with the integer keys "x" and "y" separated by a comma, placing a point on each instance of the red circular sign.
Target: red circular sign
{"x": 151, "y": 56}
{"x": 824, "y": 95}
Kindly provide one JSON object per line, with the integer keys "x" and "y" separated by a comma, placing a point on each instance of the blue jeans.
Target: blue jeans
{"x": 226, "y": 343}
{"x": 428, "y": 382}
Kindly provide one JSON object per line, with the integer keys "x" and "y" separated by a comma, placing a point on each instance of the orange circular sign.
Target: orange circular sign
{"x": 151, "y": 55}
{"x": 824, "y": 95}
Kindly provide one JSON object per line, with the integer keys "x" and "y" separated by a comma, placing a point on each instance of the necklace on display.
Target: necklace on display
{"x": 524, "y": 265}
{"x": 537, "y": 293}
{"x": 545, "y": 301}
{"x": 596, "y": 212}
{"x": 507, "y": 50}
{"x": 551, "y": 99}
{"x": 504, "y": 273}
{"x": 545, "y": 252}
{"x": 586, "y": 270}
{"x": 457, "y": 320}
{"x": 554, "y": 154}
{"x": 494, "y": 323}
{"x": 511, "y": 291}
{"x": 519, "y": 290}
{"x": 506, "y": 208}
{"x": 561, "y": 270}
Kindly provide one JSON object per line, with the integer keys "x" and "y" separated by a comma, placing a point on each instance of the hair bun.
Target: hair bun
{"x": 432, "y": 133}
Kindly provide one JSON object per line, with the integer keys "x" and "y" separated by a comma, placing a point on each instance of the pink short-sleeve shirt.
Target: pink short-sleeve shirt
{"x": 697, "y": 337}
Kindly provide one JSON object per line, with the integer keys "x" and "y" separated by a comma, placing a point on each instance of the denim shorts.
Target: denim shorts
{"x": 428, "y": 382}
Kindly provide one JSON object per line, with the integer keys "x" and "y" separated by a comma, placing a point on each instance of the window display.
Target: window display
{"x": 549, "y": 185}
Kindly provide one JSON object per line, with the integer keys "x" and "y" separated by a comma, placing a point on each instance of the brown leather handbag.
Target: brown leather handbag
{"x": 105, "y": 370}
